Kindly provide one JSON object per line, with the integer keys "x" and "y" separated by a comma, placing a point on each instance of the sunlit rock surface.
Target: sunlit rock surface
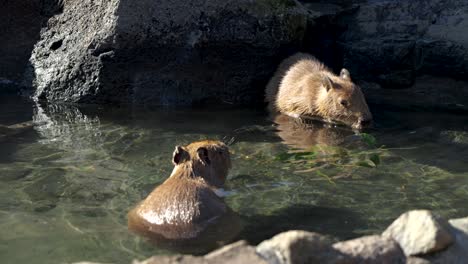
{"x": 173, "y": 52}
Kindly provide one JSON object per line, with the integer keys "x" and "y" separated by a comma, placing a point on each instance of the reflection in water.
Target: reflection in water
{"x": 301, "y": 134}
{"x": 67, "y": 183}
{"x": 67, "y": 128}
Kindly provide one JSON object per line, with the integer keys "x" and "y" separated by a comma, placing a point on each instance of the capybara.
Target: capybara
{"x": 304, "y": 87}
{"x": 185, "y": 205}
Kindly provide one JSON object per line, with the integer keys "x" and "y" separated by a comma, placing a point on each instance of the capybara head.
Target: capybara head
{"x": 341, "y": 100}
{"x": 208, "y": 159}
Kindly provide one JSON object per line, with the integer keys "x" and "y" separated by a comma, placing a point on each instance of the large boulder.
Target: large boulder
{"x": 169, "y": 52}
{"x": 420, "y": 232}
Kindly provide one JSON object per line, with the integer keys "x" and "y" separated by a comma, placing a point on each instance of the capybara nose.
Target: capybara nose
{"x": 365, "y": 122}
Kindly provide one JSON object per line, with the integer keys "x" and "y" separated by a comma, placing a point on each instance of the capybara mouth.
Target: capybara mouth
{"x": 361, "y": 124}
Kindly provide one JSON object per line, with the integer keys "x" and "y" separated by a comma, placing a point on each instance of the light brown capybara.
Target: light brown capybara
{"x": 185, "y": 206}
{"x": 304, "y": 87}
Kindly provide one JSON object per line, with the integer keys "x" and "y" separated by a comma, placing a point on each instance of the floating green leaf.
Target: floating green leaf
{"x": 370, "y": 140}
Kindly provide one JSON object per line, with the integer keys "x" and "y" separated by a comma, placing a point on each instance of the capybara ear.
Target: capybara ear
{"x": 203, "y": 155}
{"x": 344, "y": 74}
{"x": 327, "y": 82}
{"x": 179, "y": 155}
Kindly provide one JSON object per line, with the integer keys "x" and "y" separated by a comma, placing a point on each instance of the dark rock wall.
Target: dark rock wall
{"x": 188, "y": 52}
{"x": 392, "y": 42}
{"x": 173, "y": 52}
{"x": 20, "y": 26}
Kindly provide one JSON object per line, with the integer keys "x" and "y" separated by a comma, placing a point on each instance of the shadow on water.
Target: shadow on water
{"x": 15, "y": 125}
{"x": 336, "y": 222}
{"x": 433, "y": 138}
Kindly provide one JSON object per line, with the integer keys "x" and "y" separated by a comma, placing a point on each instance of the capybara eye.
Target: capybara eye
{"x": 344, "y": 103}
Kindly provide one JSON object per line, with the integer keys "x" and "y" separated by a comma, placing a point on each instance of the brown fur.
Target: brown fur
{"x": 303, "y": 86}
{"x": 185, "y": 204}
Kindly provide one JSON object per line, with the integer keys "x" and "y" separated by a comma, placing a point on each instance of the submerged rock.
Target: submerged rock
{"x": 173, "y": 52}
{"x": 419, "y": 232}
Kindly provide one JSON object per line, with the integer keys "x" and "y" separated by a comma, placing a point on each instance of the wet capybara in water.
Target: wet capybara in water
{"x": 183, "y": 207}
{"x": 304, "y": 87}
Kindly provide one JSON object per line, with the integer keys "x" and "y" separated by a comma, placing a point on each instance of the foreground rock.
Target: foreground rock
{"x": 236, "y": 253}
{"x": 173, "y": 52}
{"x": 371, "y": 249}
{"x": 457, "y": 253}
{"x": 419, "y": 232}
{"x": 298, "y": 247}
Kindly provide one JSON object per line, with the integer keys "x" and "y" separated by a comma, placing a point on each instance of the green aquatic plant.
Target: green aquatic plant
{"x": 341, "y": 160}
{"x": 370, "y": 140}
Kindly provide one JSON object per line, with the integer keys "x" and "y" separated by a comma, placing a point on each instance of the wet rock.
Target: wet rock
{"x": 175, "y": 52}
{"x": 419, "y": 232}
{"x": 371, "y": 249}
{"x": 298, "y": 247}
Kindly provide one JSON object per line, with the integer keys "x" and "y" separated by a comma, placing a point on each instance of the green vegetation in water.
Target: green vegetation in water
{"x": 321, "y": 156}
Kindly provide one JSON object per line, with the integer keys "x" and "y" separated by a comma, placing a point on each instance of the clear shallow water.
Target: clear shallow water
{"x": 67, "y": 182}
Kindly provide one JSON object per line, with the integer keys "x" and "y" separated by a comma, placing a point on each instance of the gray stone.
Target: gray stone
{"x": 457, "y": 253}
{"x": 236, "y": 253}
{"x": 461, "y": 224}
{"x": 170, "y": 52}
{"x": 298, "y": 247}
{"x": 371, "y": 249}
{"x": 419, "y": 232}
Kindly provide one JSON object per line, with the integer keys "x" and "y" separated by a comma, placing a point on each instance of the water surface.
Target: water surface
{"x": 68, "y": 180}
